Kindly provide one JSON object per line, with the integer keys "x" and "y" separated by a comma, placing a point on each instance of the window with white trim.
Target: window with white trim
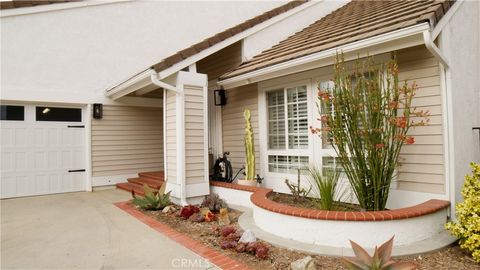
{"x": 287, "y": 134}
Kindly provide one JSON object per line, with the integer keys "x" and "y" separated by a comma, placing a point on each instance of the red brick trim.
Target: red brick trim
{"x": 220, "y": 260}
{"x": 260, "y": 199}
{"x": 234, "y": 186}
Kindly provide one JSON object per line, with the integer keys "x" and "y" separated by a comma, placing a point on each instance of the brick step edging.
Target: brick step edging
{"x": 215, "y": 257}
{"x": 260, "y": 198}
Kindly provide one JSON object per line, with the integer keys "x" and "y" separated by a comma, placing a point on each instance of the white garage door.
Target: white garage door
{"x": 42, "y": 150}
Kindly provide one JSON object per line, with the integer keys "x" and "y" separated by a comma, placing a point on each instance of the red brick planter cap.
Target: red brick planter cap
{"x": 260, "y": 199}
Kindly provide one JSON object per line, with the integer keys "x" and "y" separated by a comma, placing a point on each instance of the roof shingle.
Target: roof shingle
{"x": 355, "y": 21}
{"x": 219, "y": 37}
{"x": 30, "y": 3}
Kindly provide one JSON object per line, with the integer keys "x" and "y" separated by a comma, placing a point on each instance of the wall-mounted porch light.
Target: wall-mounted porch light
{"x": 220, "y": 98}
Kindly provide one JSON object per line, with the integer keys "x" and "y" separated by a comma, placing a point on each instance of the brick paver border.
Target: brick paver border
{"x": 215, "y": 257}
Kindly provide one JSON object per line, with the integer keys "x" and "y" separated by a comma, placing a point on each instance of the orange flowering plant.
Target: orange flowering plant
{"x": 367, "y": 115}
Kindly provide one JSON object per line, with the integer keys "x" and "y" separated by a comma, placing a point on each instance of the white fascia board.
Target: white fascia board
{"x": 138, "y": 81}
{"x": 403, "y": 38}
{"x": 446, "y": 19}
{"x": 54, "y": 7}
{"x": 195, "y": 58}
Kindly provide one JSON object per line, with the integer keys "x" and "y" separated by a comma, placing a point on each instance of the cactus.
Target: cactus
{"x": 249, "y": 148}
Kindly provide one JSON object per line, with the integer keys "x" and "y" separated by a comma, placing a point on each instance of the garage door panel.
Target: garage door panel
{"x": 20, "y": 137}
{"x": 36, "y": 157}
{"x": 42, "y": 184}
{"x": 39, "y": 134}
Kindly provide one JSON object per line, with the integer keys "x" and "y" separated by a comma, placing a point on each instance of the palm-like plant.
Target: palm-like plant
{"x": 381, "y": 259}
{"x": 153, "y": 200}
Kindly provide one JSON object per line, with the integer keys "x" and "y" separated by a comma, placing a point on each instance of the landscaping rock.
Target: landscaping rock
{"x": 247, "y": 237}
{"x": 169, "y": 209}
{"x": 306, "y": 263}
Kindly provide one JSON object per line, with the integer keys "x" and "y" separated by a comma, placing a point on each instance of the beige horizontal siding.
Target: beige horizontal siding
{"x": 221, "y": 62}
{"x": 422, "y": 164}
{"x": 171, "y": 147}
{"x": 127, "y": 140}
{"x": 194, "y": 135}
{"x": 238, "y": 99}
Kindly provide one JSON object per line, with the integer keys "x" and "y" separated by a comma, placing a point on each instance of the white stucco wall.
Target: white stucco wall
{"x": 460, "y": 42}
{"x": 275, "y": 33}
{"x": 72, "y": 55}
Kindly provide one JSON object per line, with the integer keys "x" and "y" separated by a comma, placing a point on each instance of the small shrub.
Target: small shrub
{"x": 152, "y": 200}
{"x": 228, "y": 244}
{"x": 382, "y": 259}
{"x": 298, "y": 192}
{"x": 261, "y": 251}
{"x": 214, "y": 203}
{"x": 197, "y": 217}
{"x": 467, "y": 226}
{"x": 225, "y": 231}
{"x": 189, "y": 210}
{"x": 325, "y": 186}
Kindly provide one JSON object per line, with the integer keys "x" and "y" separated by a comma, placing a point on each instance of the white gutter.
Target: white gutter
{"x": 179, "y": 132}
{"x": 327, "y": 55}
{"x": 447, "y": 115}
{"x": 157, "y": 82}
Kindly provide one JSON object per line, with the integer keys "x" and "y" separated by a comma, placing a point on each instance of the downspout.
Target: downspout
{"x": 179, "y": 129}
{"x": 448, "y": 120}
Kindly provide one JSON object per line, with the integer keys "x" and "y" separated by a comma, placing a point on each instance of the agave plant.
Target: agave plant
{"x": 381, "y": 259}
{"x": 152, "y": 200}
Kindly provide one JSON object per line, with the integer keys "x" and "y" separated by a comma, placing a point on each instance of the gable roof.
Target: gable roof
{"x": 219, "y": 37}
{"x": 30, "y": 3}
{"x": 355, "y": 21}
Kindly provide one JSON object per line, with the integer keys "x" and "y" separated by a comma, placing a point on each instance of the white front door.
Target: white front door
{"x": 44, "y": 153}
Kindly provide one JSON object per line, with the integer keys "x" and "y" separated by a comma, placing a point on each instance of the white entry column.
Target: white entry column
{"x": 186, "y": 135}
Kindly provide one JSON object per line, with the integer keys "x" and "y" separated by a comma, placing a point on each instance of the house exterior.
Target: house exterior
{"x": 157, "y": 90}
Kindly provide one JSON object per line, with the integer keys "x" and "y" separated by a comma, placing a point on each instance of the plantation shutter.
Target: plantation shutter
{"x": 276, "y": 119}
{"x": 297, "y": 106}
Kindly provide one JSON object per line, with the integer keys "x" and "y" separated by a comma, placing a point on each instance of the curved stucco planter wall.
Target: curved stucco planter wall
{"x": 336, "y": 233}
{"x": 335, "y": 229}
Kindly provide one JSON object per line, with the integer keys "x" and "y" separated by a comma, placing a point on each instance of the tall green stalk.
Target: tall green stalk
{"x": 249, "y": 148}
{"x": 367, "y": 115}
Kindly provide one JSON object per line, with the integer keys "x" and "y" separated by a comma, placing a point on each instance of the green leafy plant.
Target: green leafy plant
{"x": 467, "y": 226}
{"x": 366, "y": 116}
{"x": 214, "y": 203}
{"x": 381, "y": 259}
{"x": 325, "y": 183}
{"x": 298, "y": 192}
{"x": 249, "y": 148}
{"x": 153, "y": 200}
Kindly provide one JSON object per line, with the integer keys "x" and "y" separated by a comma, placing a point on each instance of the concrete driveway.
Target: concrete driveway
{"x": 84, "y": 231}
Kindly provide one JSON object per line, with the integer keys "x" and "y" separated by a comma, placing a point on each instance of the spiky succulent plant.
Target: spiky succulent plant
{"x": 381, "y": 259}
{"x": 152, "y": 200}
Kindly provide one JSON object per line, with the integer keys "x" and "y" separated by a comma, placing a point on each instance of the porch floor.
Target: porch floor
{"x": 152, "y": 179}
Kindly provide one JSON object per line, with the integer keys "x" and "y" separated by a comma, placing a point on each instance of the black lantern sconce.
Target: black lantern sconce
{"x": 220, "y": 98}
{"x": 97, "y": 111}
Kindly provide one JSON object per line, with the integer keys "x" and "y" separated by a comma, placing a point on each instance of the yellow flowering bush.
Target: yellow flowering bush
{"x": 467, "y": 227}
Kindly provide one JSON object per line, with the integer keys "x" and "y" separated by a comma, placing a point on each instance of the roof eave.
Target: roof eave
{"x": 131, "y": 85}
{"x": 398, "y": 39}
{"x": 126, "y": 86}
